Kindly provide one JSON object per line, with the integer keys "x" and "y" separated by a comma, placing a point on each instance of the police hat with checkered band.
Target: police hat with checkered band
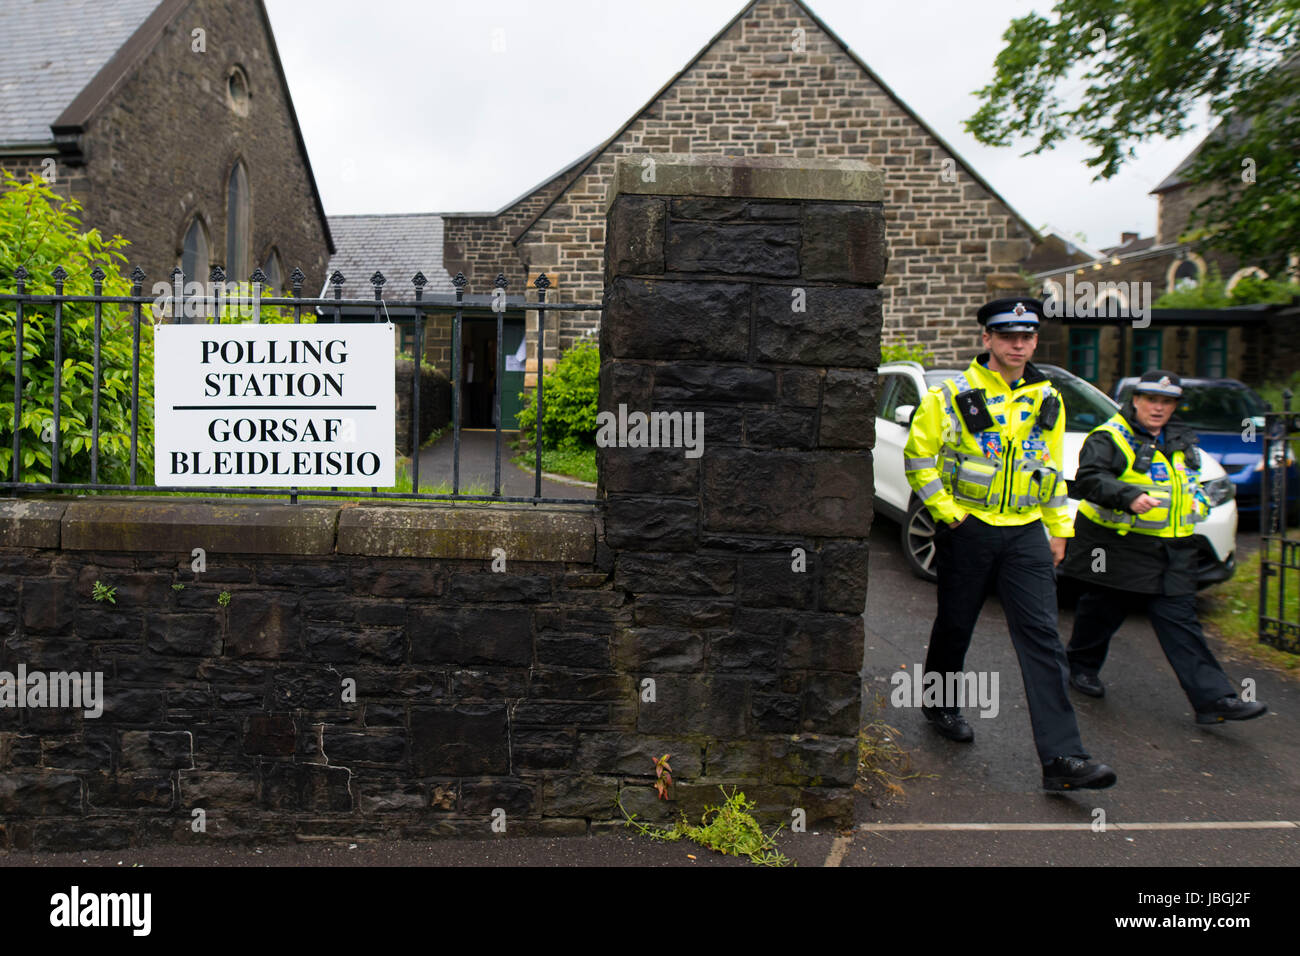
{"x": 1159, "y": 382}
{"x": 1011, "y": 315}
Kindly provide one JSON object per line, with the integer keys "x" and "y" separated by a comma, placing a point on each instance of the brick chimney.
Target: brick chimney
{"x": 1126, "y": 237}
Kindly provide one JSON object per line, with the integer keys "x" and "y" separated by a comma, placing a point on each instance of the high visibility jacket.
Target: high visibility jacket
{"x": 1168, "y": 477}
{"x": 1009, "y": 474}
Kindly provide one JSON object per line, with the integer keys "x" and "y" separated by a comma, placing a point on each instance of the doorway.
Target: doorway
{"x": 478, "y": 372}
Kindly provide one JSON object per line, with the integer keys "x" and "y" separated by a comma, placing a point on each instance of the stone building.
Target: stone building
{"x": 774, "y": 81}
{"x": 1249, "y": 343}
{"x": 171, "y": 122}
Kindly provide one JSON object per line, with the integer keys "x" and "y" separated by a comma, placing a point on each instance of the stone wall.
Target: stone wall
{"x": 955, "y": 244}
{"x": 375, "y": 671}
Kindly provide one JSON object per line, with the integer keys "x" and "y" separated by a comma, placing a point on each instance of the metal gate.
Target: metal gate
{"x": 1279, "y": 553}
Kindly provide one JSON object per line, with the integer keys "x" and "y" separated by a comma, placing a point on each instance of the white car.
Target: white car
{"x": 902, "y": 384}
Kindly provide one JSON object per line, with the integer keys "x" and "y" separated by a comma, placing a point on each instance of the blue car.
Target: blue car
{"x": 1217, "y": 409}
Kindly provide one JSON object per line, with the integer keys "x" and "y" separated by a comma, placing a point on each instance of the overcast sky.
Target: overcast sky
{"x": 406, "y": 106}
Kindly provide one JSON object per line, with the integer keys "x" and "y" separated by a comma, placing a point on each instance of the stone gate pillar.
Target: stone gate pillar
{"x": 743, "y": 291}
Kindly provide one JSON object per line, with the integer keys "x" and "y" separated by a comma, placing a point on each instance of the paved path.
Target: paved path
{"x": 478, "y": 464}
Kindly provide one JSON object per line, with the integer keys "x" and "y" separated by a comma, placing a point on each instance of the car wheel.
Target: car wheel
{"x": 918, "y": 540}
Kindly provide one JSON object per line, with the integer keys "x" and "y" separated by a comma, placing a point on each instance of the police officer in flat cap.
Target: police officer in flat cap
{"x": 1133, "y": 549}
{"x": 984, "y": 455}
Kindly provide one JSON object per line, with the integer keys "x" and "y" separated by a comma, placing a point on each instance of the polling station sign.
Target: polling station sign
{"x": 274, "y": 405}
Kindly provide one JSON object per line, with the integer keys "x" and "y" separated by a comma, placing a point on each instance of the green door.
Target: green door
{"x": 512, "y": 383}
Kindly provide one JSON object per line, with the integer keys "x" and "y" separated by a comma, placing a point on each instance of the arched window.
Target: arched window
{"x": 274, "y": 273}
{"x": 1242, "y": 273}
{"x": 237, "y": 223}
{"x": 194, "y": 253}
{"x": 1185, "y": 273}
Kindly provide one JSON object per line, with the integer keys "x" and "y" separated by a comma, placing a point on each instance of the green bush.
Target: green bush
{"x": 901, "y": 351}
{"x": 1212, "y": 293}
{"x": 39, "y": 231}
{"x": 571, "y": 394}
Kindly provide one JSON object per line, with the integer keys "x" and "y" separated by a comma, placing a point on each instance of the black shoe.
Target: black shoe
{"x": 949, "y": 722}
{"x": 1076, "y": 773}
{"x": 1089, "y": 684}
{"x": 1230, "y": 708}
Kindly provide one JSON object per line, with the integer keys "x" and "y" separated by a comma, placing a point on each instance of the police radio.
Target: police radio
{"x": 1142, "y": 460}
{"x": 1049, "y": 411}
{"x": 973, "y": 410}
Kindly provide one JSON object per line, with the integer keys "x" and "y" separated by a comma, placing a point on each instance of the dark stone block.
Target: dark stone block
{"x": 312, "y": 689}
{"x": 767, "y": 210}
{"x": 659, "y": 649}
{"x": 844, "y": 566}
{"x": 707, "y": 208}
{"x": 289, "y": 786}
{"x": 832, "y": 704}
{"x": 501, "y": 636}
{"x": 664, "y": 524}
{"x": 514, "y": 796}
{"x": 220, "y": 745}
{"x": 386, "y": 683}
{"x": 771, "y": 581}
{"x": 102, "y": 622}
{"x": 843, "y": 243}
{"x": 390, "y": 796}
{"x": 349, "y": 645}
{"x": 696, "y": 705}
{"x": 682, "y": 612}
{"x": 838, "y": 328}
{"x": 664, "y": 319}
{"x": 848, "y": 418}
{"x": 627, "y": 383}
{"x": 48, "y": 605}
{"x": 553, "y": 683}
{"x": 637, "y": 471}
{"x": 559, "y": 713}
{"x": 210, "y": 790}
{"x": 635, "y": 755}
{"x": 775, "y": 714}
{"x": 346, "y": 748}
{"x": 455, "y": 739}
{"x": 17, "y": 751}
{"x": 712, "y": 383}
{"x": 185, "y": 634}
{"x": 83, "y": 753}
{"x": 403, "y": 584}
{"x": 503, "y": 588}
{"x": 269, "y": 736}
{"x": 74, "y": 835}
{"x": 781, "y": 428}
{"x": 195, "y": 698}
{"x": 635, "y": 241}
{"x": 656, "y": 573}
{"x": 333, "y": 607}
{"x": 815, "y": 761}
{"x": 39, "y": 794}
{"x": 744, "y": 650}
{"x": 385, "y": 715}
{"x": 734, "y": 760}
{"x": 801, "y": 387}
{"x": 588, "y": 651}
{"x": 488, "y": 685}
{"x": 149, "y": 749}
{"x": 543, "y": 749}
{"x": 748, "y": 249}
{"x": 302, "y": 576}
{"x": 391, "y": 614}
{"x": 128, "y": 792}
{"x": 580, "y": 797}
{"x": 809, "y": 493}
{"x": 262, "y": 626}
{"x": 132, "y": 705}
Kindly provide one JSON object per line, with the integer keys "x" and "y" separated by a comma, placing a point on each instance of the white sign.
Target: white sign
{"x": 274, "y": 405}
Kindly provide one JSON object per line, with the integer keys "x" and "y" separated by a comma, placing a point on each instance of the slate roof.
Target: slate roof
{"x": 398, "y": 245}
{"x": 49, "y": 51}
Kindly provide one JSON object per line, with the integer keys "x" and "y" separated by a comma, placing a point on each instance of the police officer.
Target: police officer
{"x": 984, "y": 455}
{"x": 1133, "y": 547}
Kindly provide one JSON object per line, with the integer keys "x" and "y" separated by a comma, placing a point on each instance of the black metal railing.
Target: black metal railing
{"x": 214, "y": 303}
{"x": 1279, "y": 554}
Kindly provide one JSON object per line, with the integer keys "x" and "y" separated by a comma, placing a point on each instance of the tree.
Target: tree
{"x": 40, "y": 232}
{"x": 1147, "y": 66}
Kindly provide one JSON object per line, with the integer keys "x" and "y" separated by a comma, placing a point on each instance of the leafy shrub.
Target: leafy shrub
{"x": 1212, "y": 293}
{"x": 39, "y": 232}
{"x": 571, "y": 394}
{"x": 901, "y": 351}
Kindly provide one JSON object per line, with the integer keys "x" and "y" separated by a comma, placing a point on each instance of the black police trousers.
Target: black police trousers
{"x": 1102, "y": 610}
{"x": 1017, "y": 559}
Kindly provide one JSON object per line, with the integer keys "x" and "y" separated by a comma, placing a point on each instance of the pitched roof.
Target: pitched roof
{"x": 398, "y": 245}
{"x": 49, "y": 51}
{"x": 596, "y": 153}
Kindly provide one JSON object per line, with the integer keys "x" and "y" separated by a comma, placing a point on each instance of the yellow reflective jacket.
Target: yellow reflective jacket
{"x": 1009, "y": 474}
{"x": 1169, "y": 478}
